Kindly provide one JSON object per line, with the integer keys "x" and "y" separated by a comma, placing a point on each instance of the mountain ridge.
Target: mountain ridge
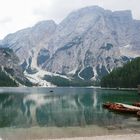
{"x": 90, "y": 39}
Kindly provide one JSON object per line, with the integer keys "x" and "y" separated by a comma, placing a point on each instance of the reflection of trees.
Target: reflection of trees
{"x": 59, "y": 110}
{"x": 62, "y": 111}
{"x": 54, "y": 110}
{"x": 10, "y": 110}
{"x": 67, "y": 110}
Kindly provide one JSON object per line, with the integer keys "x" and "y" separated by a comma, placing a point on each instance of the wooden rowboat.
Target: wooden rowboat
{"x": 119, "y": 107}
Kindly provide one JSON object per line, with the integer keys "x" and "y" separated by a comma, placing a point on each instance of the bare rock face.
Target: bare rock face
{"x": 89, "y": 43}
{"x": 8, "y": 58}
{"x": 26, "y": 43}
{"x": 9, "y": 64}
{"x": 93, "y": 38}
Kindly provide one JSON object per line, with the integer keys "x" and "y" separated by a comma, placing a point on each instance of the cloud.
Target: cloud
{"x": 58, "y": 9}
{"x": 18, "y": 14}
{"x": 5, "y": 20}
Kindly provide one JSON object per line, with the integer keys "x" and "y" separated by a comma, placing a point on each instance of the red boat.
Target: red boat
{"x": 119, "y": 107}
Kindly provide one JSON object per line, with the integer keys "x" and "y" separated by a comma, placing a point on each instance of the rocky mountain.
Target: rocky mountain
{"x": 93, "y": 40}
{"x": 11, "y": 73}
{"x": 87, "y": 44}
{"x": 26, "y": 43}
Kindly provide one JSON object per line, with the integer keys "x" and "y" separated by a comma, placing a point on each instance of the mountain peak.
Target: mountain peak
{"x": 123, "y": 14}
{"x": 88, "y": 10}
{"x": 45, "y": 23}
{"x": 92, "y": 8}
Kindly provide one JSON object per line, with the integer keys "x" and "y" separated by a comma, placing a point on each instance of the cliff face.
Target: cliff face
{"x": 8, "y": 58}
{"x": 26, "y": 43}
{"x": 91, "y": 40}
{"x": 11, "y": 73}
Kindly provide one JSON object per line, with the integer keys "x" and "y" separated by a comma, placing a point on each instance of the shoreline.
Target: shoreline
{"x": 120, "y": 89}
{"x": 108, "y": 137}
{"x": 67, "y": 133}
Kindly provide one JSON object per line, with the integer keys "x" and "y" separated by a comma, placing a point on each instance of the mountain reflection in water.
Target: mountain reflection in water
{"x": 26, "y": 110}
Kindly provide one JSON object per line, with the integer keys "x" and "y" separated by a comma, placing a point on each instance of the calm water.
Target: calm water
{"x": 28, "y": 107}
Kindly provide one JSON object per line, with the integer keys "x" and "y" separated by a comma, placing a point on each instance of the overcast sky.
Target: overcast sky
{"x": 18, "y": 14}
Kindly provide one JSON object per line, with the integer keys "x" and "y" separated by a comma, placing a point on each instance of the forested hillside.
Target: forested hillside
{"x": 11, "y": 73}
{"x": 127, "y": 76}
{"x": 6, "y": 81}
{"x": 63, "y": 82}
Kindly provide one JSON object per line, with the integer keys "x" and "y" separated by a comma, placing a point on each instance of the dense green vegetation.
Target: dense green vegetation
{"x": 60, "y": 81}
{"x": 126, "y": 77}
{"x": 5, "y": 81}
{"x": 21, "y": 78}
{"x": 25, "y": 82}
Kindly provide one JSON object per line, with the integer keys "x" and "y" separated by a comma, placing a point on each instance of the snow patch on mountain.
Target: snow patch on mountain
{"x": 95, "y": 74}
{"x": 37, "y": 78}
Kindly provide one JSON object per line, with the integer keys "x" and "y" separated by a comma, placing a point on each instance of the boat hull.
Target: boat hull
{"x": 120, "y": 108}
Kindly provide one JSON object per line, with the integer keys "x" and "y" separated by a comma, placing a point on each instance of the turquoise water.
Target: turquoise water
{"x": 61, "y": 107}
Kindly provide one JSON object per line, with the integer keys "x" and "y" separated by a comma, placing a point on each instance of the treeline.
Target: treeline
{"x": 20, "y": 78}
{"x": 60, "y": 81}
{"x": 126, "y": 77}
{"x": 5, "y": 81}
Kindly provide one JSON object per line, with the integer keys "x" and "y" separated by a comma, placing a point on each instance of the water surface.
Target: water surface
{"x": 63, "y": 107}
{"x": 26, "y": 107}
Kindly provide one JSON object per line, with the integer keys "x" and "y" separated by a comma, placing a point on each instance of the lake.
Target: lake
{"x": 34, "y": 110}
